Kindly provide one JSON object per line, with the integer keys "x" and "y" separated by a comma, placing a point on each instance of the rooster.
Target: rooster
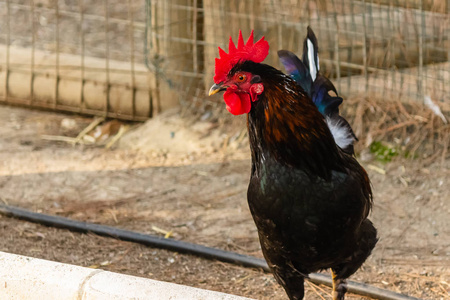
{"x": 308, "y": 195}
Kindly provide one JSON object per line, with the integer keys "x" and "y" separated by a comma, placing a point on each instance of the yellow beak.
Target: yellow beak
{"x": 216, "y": 88}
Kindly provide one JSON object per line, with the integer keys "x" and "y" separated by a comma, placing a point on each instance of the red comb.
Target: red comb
{"x": 255, "y": 52}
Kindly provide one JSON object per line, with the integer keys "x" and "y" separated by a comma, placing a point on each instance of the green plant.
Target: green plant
{"x": 383, "y": 152}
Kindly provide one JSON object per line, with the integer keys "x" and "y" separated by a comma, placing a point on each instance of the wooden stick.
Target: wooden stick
{"x": 122, "y": 130}
{"x": 88, "y": 128}
{"x": 59, "y": 138}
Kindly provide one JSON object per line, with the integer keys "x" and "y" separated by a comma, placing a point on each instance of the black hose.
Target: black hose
{"x": 184, "y": 247}
{"x": 136, "y": 237}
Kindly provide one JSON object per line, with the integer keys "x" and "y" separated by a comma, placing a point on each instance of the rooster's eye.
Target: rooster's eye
{"x": 241, "y": 78}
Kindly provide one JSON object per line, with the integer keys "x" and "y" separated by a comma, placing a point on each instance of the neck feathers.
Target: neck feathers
{"x": 285, "y": 124}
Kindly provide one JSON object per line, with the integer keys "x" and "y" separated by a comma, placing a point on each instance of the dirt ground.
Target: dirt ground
{"x": 191, "y": 180}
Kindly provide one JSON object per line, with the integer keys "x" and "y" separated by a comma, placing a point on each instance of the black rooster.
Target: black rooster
{"x": 309, "y": 198}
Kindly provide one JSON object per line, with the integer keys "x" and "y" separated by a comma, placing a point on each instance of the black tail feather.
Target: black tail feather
{"x": 311, "y": 53}
{"x": 321, "y": 90}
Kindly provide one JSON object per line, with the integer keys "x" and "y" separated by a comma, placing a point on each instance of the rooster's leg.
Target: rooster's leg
{"x": 339, "y": 286}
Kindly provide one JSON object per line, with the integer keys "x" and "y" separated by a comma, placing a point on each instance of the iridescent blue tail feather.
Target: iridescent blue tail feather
{"x": 306, "y": 72}
{"x": 295, "y": 67}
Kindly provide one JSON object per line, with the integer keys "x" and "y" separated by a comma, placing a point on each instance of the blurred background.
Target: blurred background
{"x": 130, "y": 59}
{"x": 104, "y": 117}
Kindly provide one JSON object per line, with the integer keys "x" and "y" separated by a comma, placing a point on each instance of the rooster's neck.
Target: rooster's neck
{"x": 285, "y": 125}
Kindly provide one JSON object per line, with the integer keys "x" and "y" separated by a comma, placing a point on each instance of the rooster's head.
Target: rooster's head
{"x": 241, "y": 87}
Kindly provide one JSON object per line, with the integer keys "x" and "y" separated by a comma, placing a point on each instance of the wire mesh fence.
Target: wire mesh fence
{"x": 82, "y": 56}
{"x": 129, "y": 59}
{"x": 385, "y": 48}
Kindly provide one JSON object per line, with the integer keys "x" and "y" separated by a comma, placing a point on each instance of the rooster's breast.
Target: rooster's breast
{"x": 301, "y": 215}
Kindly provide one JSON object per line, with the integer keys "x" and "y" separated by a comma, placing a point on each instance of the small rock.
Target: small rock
{"x": 206, "y": 116}
{"x": 68, "y": 124}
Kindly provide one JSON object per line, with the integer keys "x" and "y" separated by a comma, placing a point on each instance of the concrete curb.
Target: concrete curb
{"x": 23, "y": 277}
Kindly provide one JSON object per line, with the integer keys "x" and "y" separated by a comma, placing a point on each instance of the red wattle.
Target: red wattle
{"x": 255, "y": 90}
{"x": 237, "y": 103}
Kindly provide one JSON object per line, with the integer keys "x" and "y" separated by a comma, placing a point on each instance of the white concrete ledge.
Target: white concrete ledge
{"x": 29, "y": 278}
